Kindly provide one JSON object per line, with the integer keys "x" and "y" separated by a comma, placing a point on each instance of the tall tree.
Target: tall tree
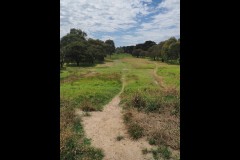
{"x": 137, "y": 52}
{"x": 110, "y": 47}
{"x": 100, "y": 49}
{"x": 165, "y": 48}
{"x": 174, "y": 51}
{"x": 154, "y": 52}
{"x": 75, "y": 35}
{"x": 76, "y": 52}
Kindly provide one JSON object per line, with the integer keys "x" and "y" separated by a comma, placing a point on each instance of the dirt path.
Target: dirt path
{"x": 158, "y": 79}
{"x": 104, "y": 127}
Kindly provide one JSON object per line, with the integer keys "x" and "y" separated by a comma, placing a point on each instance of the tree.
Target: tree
{"x": 119, "y": 50}
{"x": 143, "y": 53}
{"x": 165, "y": 48}
{"x": 174, "y": 51}
{"x": 76, "y": 52}
{"x": 110, "y": 47}
{"x": 99, "y": 48}
{"x": 136, "y": 52}
{"x": 146, "y": 45}
{"x": 75, "y": 35}
{"x": 160, "y": 46}
{"x": 154, "y": 52}
{"x": 128, "y": 49}
{"x": 79, "y": 33}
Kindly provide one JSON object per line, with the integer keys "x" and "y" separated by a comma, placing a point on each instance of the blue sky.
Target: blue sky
{"x": 127, "y": 22}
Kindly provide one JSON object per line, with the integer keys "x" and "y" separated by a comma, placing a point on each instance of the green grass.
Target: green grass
{"x": 98, "y": 91}
{"x": 170, "y": 74}
{"x": 96, "y": 85}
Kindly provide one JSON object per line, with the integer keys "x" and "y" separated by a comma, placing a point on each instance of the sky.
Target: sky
{"x": 126, "y": 22}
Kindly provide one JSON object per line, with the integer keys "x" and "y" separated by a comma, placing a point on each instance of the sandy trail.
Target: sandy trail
{"x": 103, "y": 128}
{"x": 158, "y": 79}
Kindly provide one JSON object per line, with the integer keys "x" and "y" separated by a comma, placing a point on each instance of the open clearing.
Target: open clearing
{"x": 123, "y": 106}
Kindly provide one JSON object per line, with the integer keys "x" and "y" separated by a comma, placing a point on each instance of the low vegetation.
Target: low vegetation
{"x": 73, "y": 144}
{"x": 88, "y": 89}
{"x": 150, "y": 110}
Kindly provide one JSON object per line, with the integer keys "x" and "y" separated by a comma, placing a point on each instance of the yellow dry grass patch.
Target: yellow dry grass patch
{"x": 163, "y": 127}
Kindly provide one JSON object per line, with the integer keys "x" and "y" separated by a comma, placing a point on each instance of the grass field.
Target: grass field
{"x": 150, "y": 110}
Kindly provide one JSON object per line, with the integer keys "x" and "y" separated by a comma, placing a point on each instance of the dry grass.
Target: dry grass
{"x": 162, "y": 128}
{"x": 107, "y": 64}
{"x": 87, "y": 106}
{"x": 157, "y": 112}
{"x": 66, "y": 121}
{"x": 139, "y": 63}
{"x": 74, "y": 77}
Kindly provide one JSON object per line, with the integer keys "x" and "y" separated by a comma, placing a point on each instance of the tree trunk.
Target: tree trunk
{"x": 77, "y": 63}
{"x": 61, "y": 64}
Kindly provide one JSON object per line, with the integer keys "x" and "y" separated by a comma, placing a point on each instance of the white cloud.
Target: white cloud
{"x": 100, "y": 15}
{"x": 110, "y": 16}
{"x": 163, "y": 26}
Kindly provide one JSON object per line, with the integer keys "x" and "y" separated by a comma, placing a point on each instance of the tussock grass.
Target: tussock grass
{"x": 135, "y": 131}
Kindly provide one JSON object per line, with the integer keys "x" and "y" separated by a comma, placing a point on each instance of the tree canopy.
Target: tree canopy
{"x": 76, "y": 48}
{"x": 166, "y": 51}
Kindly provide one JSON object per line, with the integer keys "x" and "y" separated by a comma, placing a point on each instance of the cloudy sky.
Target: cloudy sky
{"x": 127, "y": 22}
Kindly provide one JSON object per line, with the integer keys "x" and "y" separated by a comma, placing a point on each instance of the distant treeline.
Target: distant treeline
{"x": 165, "y": 51}
{"x": 76, "y": 48}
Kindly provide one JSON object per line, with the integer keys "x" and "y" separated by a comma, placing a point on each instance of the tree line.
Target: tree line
{"x": 166, "y": 51}
{"x": 75, "y": 47}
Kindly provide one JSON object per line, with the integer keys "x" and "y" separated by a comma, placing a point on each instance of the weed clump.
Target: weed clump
{"x": 119, "y": 138}
{"x": 165, "y": 152}
{"x": 135, "y": 131}
{"x": 138, "y": 101}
